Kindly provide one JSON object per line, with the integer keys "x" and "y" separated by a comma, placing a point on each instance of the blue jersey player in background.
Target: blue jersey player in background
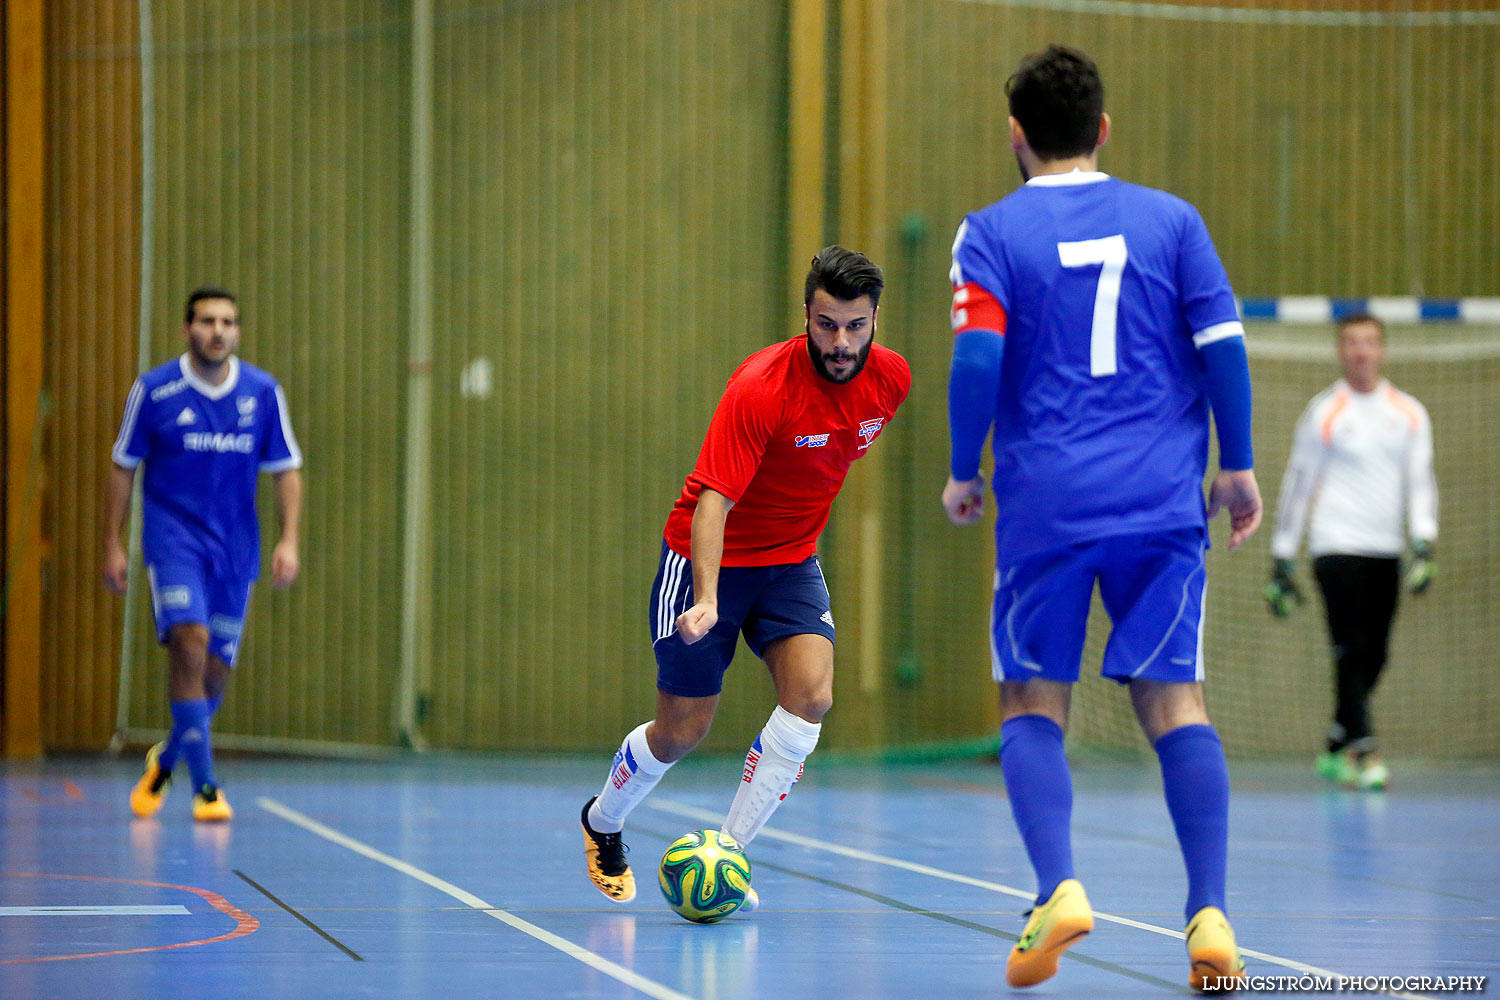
{"x": 1094, "y": 329}
{"x": 205, "y": 425}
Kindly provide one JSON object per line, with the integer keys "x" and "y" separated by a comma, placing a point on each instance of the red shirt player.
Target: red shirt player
{"x": 740, "y": 556}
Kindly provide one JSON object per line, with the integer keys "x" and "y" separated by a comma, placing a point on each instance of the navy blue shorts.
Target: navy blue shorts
{"x": 765, "y": 602}
{"x": 1151, "y": 586}
{"x": 186, "y": 592}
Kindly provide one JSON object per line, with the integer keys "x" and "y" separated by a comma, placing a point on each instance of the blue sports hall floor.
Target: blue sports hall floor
{"x": 463, "y": 877}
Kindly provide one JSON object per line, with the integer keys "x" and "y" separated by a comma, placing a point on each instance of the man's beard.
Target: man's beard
{"x": 200, "y": 354}
{"x": 820, "y": 361}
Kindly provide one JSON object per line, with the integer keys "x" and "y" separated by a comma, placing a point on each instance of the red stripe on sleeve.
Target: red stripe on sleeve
{"x": 976, "y": 309}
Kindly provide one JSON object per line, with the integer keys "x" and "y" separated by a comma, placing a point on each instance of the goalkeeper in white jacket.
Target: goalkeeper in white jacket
{"x": 1360, "y": 473}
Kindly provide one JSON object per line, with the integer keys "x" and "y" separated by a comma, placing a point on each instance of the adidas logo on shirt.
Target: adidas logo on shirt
{"x": 186, "y": 417}
{"x": 827, "y": 616}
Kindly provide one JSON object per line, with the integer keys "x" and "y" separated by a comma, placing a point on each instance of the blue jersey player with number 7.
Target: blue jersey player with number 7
{"x": 1095, "y": 328}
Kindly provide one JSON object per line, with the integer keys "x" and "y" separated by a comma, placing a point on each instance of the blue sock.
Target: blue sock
{"x": 190, "y": 732}
{"x": 1041, "y": 796}
{"x": 170, "y": 751}
{"x": 1196, "y": 780}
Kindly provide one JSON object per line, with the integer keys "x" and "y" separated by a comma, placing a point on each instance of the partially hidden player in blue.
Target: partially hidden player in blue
{"x": 1095, "y": 328}
{"x": 205, "y": 425}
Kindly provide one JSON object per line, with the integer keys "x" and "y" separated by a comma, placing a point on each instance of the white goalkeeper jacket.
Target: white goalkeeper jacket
{"x": 1360, "y": 461}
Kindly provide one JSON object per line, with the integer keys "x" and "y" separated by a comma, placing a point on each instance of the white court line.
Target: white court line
{"x": 602, "y": 964}
{"x": 1253, "y": 15}
{"x": 171, "y": 910}
{"x": 692, "y": 812}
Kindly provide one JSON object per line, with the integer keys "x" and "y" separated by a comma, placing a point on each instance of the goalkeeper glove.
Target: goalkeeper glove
{"x": 1282, "y": 593}
{"x": 1422, "y": 569}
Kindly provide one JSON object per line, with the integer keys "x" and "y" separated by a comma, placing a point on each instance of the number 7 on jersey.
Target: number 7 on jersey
{"x": 1109, "y": 251}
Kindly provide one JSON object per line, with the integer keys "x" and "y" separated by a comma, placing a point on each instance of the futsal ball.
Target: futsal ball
{"x": 704, "y": 876}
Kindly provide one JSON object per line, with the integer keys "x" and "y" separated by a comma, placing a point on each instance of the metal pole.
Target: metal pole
{"x": 416, "y": 590}
{"x": 143, "y": 357}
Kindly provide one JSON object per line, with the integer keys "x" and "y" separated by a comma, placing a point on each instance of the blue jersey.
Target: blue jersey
{"x": 203, "y": 446}
{"x": 1105, "y": 293}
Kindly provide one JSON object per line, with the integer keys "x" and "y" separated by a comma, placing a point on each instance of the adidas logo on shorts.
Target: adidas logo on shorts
{"x": 827, "y": 616}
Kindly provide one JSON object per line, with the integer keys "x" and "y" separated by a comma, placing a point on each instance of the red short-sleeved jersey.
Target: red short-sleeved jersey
{"x": 779, "y": 446}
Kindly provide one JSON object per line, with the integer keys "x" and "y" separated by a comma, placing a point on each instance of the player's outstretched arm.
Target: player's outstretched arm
{"x": 284, "y": 559}
{"x": 116, "y": 563}
{"x": 708, "y": 553}
{"x": 973, "y": 386}
{"x": 1222, "y": 348}
{"x": 1237, "y": 491}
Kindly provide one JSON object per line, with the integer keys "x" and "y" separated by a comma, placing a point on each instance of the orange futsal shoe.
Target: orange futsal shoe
{"x": 147, "y": 795}
{"x": 210, "y": 806}
{"x": 605, "y": 853}
{"x": 1216, "y": 965}
{"x": 1055, "y": 926}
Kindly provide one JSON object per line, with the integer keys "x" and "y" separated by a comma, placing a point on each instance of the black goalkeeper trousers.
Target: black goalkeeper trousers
{"x": 1359, "y": 598}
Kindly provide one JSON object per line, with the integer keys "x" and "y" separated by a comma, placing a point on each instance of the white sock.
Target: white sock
{"x": 633, "y": 774}
{"x": 772, "y": 767}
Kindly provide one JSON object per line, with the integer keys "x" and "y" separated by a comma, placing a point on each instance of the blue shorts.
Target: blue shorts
{"x": 1151, "y": 585}
{"x": 765, "y": 602}
{"x": 185, "y": 593}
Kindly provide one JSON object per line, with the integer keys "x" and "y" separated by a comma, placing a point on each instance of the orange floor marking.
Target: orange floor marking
{"x": 244, "y": 922}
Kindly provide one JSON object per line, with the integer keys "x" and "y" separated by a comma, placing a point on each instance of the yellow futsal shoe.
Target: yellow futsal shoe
{"x": 210, "y": 806}
{"x": 608, "y": 868}
{"x": 147, "y": 795}
{"x": 1216, "y": 965}
{"x": 1054, "y": 927}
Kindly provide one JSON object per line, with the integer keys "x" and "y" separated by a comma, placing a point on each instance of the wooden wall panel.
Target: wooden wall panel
{"x": 1301, "y": 143}
{"x": 279, "y": 173}
{"x": 611, "y": 206}
{"x": 1302, "y": 176}
{"x": 611, "y": 227}
{"x": 92, "y": 280}
{"x": 282, "y": 144}
{"x": 21, "y": 380}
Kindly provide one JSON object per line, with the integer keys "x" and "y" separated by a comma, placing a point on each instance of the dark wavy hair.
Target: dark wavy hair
{"x": 844, "y": 274}
{"x": 207, "y": 292}
{"x": 1057, "y": 96}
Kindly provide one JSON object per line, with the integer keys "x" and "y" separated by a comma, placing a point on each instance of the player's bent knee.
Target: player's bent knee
{"x": 810, "y": 707}
{"x": 673, "y": 736}
{"x": 671, "y": 745}
{"x": 188, "y": 633}
{"x": 188, "y": 644}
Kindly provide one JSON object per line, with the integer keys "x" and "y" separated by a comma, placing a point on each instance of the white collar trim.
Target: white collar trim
{"x": 1072, "y": 177}
{"x": 1381, "y": 387}
{"x": 207, "y": 388}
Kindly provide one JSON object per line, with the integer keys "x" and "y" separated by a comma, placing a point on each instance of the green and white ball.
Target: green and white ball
{"x": 704, "y": 876}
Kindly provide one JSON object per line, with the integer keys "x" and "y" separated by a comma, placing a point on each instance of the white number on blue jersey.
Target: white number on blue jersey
{"x": 1109, "y": 251}
{"x": 956, "y": 273}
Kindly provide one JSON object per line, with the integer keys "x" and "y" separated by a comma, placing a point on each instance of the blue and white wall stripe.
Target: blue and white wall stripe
{"x": 1390, "y": 308}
